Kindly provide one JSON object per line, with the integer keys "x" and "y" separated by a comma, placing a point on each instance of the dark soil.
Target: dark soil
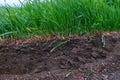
{"x": 79, "y": 58}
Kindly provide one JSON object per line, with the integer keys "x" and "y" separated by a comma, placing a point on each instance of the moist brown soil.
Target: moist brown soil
{"x": 79, "y": 58}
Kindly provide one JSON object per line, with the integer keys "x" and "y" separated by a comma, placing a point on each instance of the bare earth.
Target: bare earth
{"x": 80, "y": 58}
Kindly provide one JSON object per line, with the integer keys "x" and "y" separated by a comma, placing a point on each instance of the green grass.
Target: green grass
{"x": 59, "y": 17}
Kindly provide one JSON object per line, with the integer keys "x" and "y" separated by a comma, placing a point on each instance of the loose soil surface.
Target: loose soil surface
{"x": 70, "y": 58}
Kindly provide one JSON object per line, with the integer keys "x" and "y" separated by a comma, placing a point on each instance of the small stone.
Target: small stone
{"x": 95, "y": 54}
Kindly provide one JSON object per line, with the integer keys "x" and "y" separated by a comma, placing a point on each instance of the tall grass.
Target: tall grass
{"x": 59, "y": 17}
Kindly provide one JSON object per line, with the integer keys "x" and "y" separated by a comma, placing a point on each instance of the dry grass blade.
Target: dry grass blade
{"x": 58, "y": 45}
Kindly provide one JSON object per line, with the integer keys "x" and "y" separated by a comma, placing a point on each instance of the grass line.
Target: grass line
{"x": 62, "y": 17}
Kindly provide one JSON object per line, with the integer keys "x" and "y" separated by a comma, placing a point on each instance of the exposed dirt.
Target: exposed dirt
{"x": 77, "y": 58}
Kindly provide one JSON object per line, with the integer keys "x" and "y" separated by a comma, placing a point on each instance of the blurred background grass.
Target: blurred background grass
{"x": 59, "y": 17}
